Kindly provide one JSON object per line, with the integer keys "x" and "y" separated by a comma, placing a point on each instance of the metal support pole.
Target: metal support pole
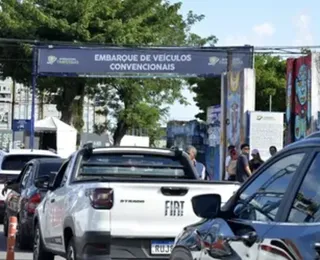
{"x": 13, "y": 102}
{"x": 224, "y": 128}
{"x": 270, "y": 103}
{"x": 34, "y": 84}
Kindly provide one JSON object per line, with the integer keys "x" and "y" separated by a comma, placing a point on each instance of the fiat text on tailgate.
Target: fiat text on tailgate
{"x": 119, "y": 202}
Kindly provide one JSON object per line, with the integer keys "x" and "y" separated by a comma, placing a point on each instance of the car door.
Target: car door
{"x": 254, "y": 210}
{"x": 14, "y": 198}
{"x": 55, "y": 205}
{"x": 297, "y": 235}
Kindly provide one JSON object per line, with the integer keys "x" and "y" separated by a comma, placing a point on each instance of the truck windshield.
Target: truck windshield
{"x": 131, "y": 165}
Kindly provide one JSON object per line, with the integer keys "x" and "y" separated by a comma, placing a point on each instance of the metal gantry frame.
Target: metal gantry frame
{"x": 211, "y": 52}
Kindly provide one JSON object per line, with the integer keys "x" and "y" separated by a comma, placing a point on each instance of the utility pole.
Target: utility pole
{"x": 225, "y": 120}
{"x": 13, "y": 95}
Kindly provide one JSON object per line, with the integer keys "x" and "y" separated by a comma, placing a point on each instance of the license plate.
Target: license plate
{"x": 161, "y": 247}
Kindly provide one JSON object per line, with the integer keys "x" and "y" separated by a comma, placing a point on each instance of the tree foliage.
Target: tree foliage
{"x": 133, "y": 103}
{"x": 270, "y": 80}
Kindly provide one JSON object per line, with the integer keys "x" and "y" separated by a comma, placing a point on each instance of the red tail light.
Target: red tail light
{"x": 33, "y": 202}
{"x": 101, "y": 198}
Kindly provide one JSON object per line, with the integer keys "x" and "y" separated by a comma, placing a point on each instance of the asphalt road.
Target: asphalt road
{"x": 18, "y": 255}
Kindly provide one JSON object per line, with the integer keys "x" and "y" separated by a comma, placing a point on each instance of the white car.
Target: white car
{"x": 119, "y": 202}
{"x": 12, "y": 162}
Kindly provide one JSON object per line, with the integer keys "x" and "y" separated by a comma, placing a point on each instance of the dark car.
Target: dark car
{"x": 275, "y": 214}
{"x": 25, "y": 196}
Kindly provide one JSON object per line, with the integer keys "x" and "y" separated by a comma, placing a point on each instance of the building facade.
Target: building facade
{"x": 22, "y": 107}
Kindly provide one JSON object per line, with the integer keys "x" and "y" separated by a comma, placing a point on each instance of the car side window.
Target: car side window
{"x": 26, "y": 176}
{"x": 260, "y": 201}
{"x": 306, "y": 206}
{"x": 59, "y": 177}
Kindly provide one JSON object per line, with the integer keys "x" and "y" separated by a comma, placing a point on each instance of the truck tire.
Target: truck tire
{"x": 71, "y": 250}
{"x": 180, "y": 253}
{"x": 23, "y": 242}
{"x": 39, "y": 252}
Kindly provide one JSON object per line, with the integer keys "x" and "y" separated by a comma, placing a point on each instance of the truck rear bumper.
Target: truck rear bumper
{"x": 95, "y": 245}
{"x": 134, "y": 248}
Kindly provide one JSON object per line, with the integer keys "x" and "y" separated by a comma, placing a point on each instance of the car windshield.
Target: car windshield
{"x": 134, "y": 165}
{"x": 17, "y": 161}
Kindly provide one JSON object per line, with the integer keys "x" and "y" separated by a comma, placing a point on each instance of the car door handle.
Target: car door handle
{"x": 52, "y": 200}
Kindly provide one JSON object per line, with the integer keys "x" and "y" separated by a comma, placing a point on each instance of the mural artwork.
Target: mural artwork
{"x": 233, "y": 110}
{"x": 298, "y": 111}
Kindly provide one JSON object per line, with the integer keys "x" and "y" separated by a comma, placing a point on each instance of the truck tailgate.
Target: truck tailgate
{"x": 158, "y": 210}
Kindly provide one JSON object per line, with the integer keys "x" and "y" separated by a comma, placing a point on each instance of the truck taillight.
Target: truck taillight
{"x": 33, "y": 202}
{"x": 101, "y": 198}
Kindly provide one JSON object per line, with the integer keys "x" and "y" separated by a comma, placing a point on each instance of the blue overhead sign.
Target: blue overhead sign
{"x": 21, "y": 125}
{"x": 104, "y": 62}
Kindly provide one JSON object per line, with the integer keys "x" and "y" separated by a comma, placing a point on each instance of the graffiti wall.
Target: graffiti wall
{"x": 237, "y": 98}
{"x": 298, "y": 110}
{"x": 213, "y": 141}
{"x": 234, "y": 109}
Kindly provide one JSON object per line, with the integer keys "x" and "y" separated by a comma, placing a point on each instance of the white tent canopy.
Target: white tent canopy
{"x": 66, "y": 134}
{"x": 52, "y": 124}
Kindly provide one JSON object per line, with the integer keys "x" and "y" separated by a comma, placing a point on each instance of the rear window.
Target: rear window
{"x": 132, "y": 165}
{"x": 16, "y": 162}
{"x": 49, "y": 168}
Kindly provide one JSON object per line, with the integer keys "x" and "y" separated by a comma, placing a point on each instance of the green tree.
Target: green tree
{"x": 117, "y": 22}
{"x": 270, "y": 80}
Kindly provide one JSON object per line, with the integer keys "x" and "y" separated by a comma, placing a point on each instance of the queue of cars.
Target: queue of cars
{"x": 131, "y": 203}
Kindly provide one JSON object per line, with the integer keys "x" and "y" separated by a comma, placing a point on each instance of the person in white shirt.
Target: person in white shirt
{"x": 228, "y": 158}
{"x": 201, "y": 169}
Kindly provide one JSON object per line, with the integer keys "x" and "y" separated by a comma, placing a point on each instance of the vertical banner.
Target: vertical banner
{"x": 289, "y": 102}
{"x": 302, "y": 101}
{"x": 213, "y": 147}
{"x": 234, "y": 109}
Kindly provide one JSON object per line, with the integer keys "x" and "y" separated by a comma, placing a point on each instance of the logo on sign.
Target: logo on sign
{"x": 64, "y": 61}
{"x": 213, "y": 60}
{"x": 51, "y": 59}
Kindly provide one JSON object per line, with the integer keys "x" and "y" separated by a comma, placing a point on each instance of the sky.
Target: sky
{"x": 257, "y": 23}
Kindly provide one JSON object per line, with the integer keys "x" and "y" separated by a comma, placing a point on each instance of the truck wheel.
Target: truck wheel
{"x": 39, "y": 252}
{"x": 71, "y": 250}
{"x": 23, "y": 242}
{"x": 180, "y": 254}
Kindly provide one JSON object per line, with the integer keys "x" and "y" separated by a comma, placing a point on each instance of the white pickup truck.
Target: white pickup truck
{"x": 119, "y": 202}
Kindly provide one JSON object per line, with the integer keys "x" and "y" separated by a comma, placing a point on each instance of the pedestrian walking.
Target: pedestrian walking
{"x": 232, "y": 166}
{"x": 256, "y": 160}
{"x": 243, "y": 169}
{"x": 228, "y": 158}
{"x": 201, "y": 169}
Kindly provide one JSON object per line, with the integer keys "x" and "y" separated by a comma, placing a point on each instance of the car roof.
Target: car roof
{"x": 30, "y": 151}
{"x": 307, "y": 142}
{"x": 134, "y": 149}
{"x": 47, "y": 160}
